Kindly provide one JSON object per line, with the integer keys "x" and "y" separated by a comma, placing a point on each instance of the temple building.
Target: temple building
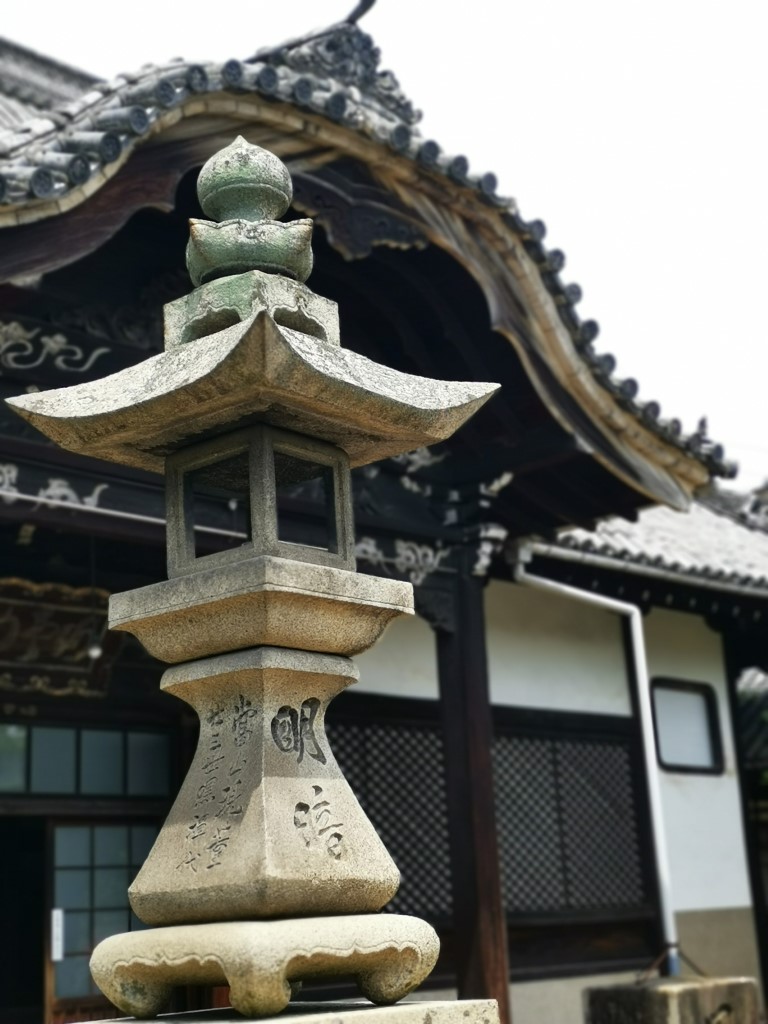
{"x": 503, "y": 726}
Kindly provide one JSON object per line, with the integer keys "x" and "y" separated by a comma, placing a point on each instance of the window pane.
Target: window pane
{"x": 101, "y": 761}
{"x": 147, "y": 764}
{"x": 109, "y": 922}
{"x": 72, "y": 977}
{"x": 77, "y": 931}
{"x": 110, "y": 887}
{"x": 53, "y": 760}
{"x": 142, "y": 838}
{"x": 683, "y": 728}
{"x": 110, "y": 845}
{"x": 72, "y": 889}
{"x": 13, "y": 758}
{"x": 72, "y": 847}
{"x": 136, "y": 924}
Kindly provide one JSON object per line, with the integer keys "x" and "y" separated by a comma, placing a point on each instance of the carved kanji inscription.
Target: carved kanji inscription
{"x": 294, "y": 731}
{"x": 317, "y": 824}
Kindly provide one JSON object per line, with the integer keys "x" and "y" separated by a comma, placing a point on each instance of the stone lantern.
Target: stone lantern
{"x": 267, "y": 870}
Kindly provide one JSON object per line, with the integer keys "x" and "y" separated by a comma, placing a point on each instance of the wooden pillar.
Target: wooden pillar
{"x": 743, "y": 649}
{"x": 479, "y": 918}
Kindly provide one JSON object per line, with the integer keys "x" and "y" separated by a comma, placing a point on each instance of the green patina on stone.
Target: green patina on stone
{"x": 245, "y": 188}
{"x": 244, "y": 182}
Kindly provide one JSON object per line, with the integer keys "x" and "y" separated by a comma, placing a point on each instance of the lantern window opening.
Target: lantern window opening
{"x": 246, "y": 488}
{"x": 296, "y": 479}
{"x": 218, "y": 495}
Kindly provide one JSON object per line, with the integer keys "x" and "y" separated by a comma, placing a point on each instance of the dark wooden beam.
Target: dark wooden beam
{"x": 51, "y": 243}
{"x": 81, "y": 807}
{"x": 552, "y": 509}
{"x": 41, "y": 465}
{"x": 539, "y": 448}
{"x": 463, "y": 318}
{"x": 479, "y": 917}
{"x": 44, "y": 452}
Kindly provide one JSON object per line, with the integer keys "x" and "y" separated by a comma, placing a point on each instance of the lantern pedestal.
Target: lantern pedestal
{"x": 390, "y": 955}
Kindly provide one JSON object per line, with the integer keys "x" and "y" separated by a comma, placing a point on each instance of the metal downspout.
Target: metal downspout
{"x": 660, "y": 849}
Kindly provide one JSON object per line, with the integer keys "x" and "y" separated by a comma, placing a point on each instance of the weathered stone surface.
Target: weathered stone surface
{"x": 466, "y": 1011}
{"x": 237, "y": 246}
{"x": 260, "y": 601}
{"x": 252, "y": 371}
{"x": 388, "y": 954}
{"x": 246, "y": 187}
{"x": 230, "y": 300}
{"x": 265, "y": 824}
{"x": 435, "y": 1011}
{"x": 246, "y": 182}
{"x": 676, "y": 1001}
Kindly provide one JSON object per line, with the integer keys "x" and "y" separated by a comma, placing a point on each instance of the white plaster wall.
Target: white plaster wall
{"x": 702, "y": 813}
{"x": 403, "y": 663}
{"x": 547, "y": 651}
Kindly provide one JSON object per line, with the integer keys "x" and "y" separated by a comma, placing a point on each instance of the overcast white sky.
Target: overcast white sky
{"x": 635, "y": 130}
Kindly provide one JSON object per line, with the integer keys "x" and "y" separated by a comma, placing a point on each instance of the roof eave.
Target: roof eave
{"x": 651, "y": 572}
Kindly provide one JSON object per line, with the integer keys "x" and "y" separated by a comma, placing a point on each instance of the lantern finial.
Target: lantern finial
{"x": 245, "y": 189}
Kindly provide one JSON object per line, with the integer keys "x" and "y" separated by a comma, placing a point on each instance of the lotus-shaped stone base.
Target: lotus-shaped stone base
{"x": 236, "y": 246}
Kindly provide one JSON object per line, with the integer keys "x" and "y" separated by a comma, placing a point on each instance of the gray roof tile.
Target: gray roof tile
{"x": 703, "y": 542}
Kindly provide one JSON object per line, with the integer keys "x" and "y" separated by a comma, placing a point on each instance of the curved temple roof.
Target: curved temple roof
{"x": 323, "y": 97}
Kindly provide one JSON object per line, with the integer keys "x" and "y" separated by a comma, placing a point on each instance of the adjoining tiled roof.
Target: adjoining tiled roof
{"x": 46, "y": 162}
{"x": 14, "y": 113}
{"x": 31, "y": 83}
{"x": 704, "y": 543}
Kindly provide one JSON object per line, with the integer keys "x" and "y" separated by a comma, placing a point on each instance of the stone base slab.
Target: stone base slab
{"x": 465, "y": 1011}
{"x": 388, "y": 954}
{"x": 684, "y": 1000}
